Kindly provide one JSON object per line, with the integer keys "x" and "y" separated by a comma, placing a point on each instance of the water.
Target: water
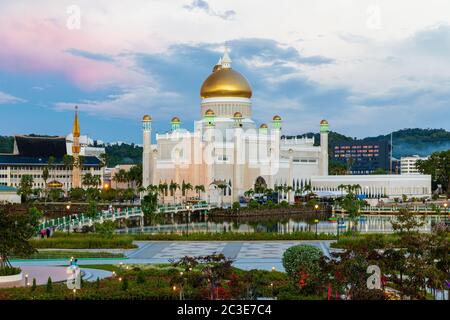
{"x": 289, "y": 224}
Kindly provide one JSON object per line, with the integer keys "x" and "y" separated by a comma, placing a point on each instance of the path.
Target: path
{"x": 246, "y": 254}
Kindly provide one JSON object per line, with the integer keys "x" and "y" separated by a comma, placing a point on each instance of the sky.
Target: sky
{"x": 368, "y": 67}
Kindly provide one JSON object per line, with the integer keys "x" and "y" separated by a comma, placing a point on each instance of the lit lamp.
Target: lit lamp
{"x": 106, "y": 186}
{"x": 316, "y": 221}
{"x": 68, "y": 211}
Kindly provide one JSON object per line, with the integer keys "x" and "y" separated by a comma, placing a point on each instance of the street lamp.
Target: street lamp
{"x": 68, "y": 216}
{"x": 316, "y": 221}
{"x": 187, "y": 219}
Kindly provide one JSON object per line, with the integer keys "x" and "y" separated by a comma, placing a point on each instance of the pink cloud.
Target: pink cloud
{"x": 30, "y": 44}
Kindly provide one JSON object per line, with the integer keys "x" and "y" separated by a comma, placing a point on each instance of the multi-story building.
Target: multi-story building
{"x": 408, "y": 164}
{"x": 31, "y": 155}
{"x": 363, "y": 157}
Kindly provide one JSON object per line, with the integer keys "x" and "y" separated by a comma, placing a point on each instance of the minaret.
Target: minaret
{"x": 324, "y": 147}
{"x": 147, "y": 152}
{"x": 76, "y": 171}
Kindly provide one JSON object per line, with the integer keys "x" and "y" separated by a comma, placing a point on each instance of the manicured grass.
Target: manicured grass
{"x": 236, "y": 236}
{"x": 68, "y": 254}
{"x": 358, "y": 239}
{"x": 83, "y": 241}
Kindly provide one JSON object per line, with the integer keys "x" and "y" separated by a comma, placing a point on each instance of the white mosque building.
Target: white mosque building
{"x": 229, "y": 153}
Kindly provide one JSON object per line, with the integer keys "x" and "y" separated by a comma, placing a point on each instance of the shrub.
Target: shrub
{"x": 106, "y": 229}
{"x": 236, "y": 205}
{"x": 253, "y": 204}
{"x": 284, "y": 203}
{"x": 34, "y": 285}
{"x": 49, "y": 286}
{"x": 302, "y": 260}
{"x": 9, "y": 271}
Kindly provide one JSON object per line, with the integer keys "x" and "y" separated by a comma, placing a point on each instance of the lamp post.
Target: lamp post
{"x": 316, "y": 221}
{"x": 68, "y": 215}
{"x": 445, "y": 207}
{"x": 187, "y": 219}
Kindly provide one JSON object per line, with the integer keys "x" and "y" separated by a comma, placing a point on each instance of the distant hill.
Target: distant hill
{"x": 123, "y": 154}
{"x": 406, "y": 142}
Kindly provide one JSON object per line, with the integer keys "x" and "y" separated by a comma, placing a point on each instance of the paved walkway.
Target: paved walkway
{"x": 246, "y": 254}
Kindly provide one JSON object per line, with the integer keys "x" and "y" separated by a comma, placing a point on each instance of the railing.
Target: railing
{"x": 391, "y": 209}
{"x": 81, "y": 220}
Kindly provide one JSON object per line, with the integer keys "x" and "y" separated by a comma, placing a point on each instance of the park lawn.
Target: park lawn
{"x": 381, "y": 240}
{"x": 83, "y": 241}
{"x": 64, "y": 254}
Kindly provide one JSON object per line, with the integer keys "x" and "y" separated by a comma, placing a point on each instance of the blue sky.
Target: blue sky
{"x": 365, "y": 66}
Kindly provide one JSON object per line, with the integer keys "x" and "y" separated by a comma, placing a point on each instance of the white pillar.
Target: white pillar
{"x": 323, "y": 165}
{"x": 147, "y": 152}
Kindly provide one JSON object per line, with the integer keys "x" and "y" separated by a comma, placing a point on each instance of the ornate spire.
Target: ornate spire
{"x": 76, "y": 126}
{"x": 226, "y": 60}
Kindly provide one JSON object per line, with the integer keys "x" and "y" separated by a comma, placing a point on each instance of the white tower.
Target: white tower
{"x": 324, "y": 147}
{"x": 147, "y": 152}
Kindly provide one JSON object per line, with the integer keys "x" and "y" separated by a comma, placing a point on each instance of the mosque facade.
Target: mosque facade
{"x": 228, "y": 153}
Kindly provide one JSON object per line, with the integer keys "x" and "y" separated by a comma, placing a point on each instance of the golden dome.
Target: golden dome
{"x": 324, "y": 122}
{"x": 237, "y": 115}
{"x": 175, "y": 120}
{"x": 276, "y": 118}
{"x": 263, "y": 126}
{"x": 225, "y": 82}
{"x": 209, "y": 112}
{"x": 146, "y": 118}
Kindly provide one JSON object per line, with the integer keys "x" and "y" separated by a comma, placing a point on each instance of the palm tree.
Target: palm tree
{"x": 68, "y": 164}
{"x": 120, "y": 176}
{"x": 173, "y": 186}
{"x": 45, "y": 176}
{"x": 222, "y": 187}
{"x": 51, "y": 165}
{"x": 184, "y": 188}
{"x": 278, "y": 189}
{"x": 162, "y": 188}
{"x": 249, "y": 193}
{"x": 198, "y": 189}
{"x": 287, "y": 190}
{"x": 87, "y": 180}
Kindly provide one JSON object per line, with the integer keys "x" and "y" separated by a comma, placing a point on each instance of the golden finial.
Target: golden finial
{"x": 76, "y": 126}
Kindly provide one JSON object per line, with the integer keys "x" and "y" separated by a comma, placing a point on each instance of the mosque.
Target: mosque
{"x": 228, "y": 153}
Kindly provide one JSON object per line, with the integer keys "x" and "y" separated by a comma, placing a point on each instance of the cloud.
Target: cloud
{"x": 204, "y": 6}
{"x": 6, "y": 98}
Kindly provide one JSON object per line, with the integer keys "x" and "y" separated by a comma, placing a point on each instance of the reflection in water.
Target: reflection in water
{"x": 201, "y": 223}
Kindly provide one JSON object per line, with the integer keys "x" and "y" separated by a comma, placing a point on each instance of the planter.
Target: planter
{"x": 14, "y": 280}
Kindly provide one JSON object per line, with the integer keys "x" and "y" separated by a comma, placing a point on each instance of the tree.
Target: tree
{"x": 199, "y": 189}
{"x": 222, "y": 188}
{"x": 135, "y": 175}
{"x": 173, "y": 186}
{"x": 16, "y": 229}
{"x": 337, "y": 168}
{"x": 302, "y": 264}
{"x": 162, "y": 189}
{"x": 68, "y": 164}
{"x": 184, "y": 188}
{"x": 350, "y": 202}
{"x": 51, "y": 165}
{"x": 120, "y": 176}
{"x": 45, "y": 176}
{"x": 25, "y": 187}
{"x": 438, "y": 166}
{"x": 379, "y": 171}
{"x": 149, "y": 204}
